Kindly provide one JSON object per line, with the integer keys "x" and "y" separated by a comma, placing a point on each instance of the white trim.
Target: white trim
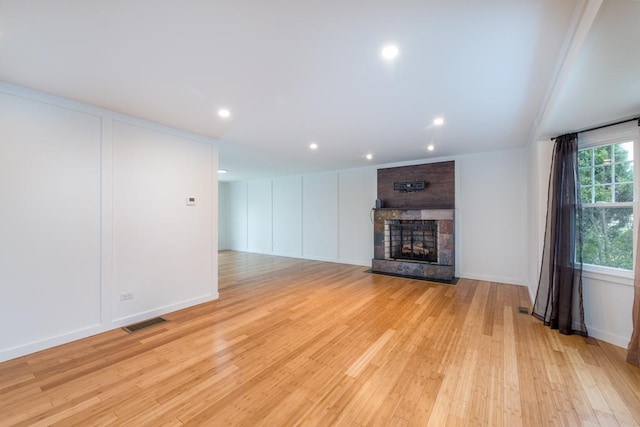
{"x": 322, "y": 259}
{"x": 215, "y": 221}
{"x": 67, "y": 337}
{"x": 532, "y": 296}
{"x": 52, "y": 341}
{"x": 623, "y": 132}
{"x": 26, "y": 93}
{"x": 302, "y": 254}
{"x": 610, "y": 275}
{"x": 457, "y": 220}
{"x": 337, "y": 231}
{"x": 495, "y": 279}
{"x": 287, "y": 254}
{"x": 138, "y": 317}
{"x": 584, "y": 17}
{"x": 608, "y": 204}
{"x": 106, "y": 226}
{"x": 618, "y": 340}
{"x": 357, "y": 262}
{"x": 271, "y": 204}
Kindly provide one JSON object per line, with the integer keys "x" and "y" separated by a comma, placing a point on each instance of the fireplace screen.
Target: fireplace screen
{"x": 414, "y": 240}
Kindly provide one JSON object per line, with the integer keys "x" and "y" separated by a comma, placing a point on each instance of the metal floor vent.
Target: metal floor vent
{"x": 523, "y": 310}
{"x": 145, "y": 324}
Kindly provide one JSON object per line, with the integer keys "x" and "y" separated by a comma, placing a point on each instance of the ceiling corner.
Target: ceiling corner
{"x": 584, "y": 17}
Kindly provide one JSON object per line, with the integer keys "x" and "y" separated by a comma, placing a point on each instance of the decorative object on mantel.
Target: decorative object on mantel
{"x": 408, "y": 186}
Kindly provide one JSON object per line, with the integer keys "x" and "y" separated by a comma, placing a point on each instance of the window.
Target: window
{"x": 606, "y": 186}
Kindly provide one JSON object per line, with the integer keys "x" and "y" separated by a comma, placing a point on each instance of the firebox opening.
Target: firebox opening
{"x": 414, "y": 240}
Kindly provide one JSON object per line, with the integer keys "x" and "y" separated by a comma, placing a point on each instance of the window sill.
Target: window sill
{"x": 612, "y": 275}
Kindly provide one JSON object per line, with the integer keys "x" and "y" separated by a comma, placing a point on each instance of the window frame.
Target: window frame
{"x": 607, "y": 136}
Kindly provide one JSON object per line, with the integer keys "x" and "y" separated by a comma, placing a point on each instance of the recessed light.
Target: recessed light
{"x": 222, "y": 171}
{"x": 224, "y": 113}
{"x": 430, "y": 147}
{"x": 438, "y": 121}
{"x": 389, "y": 52}
{"x": 313, "y": 146}
{"x": 369, "y": 156}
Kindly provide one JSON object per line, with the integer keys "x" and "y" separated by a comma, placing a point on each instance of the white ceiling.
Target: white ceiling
{"x": 603, "y": 85}
{"x": 499, "y": 71}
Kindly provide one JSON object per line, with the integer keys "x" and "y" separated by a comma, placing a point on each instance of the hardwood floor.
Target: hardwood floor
{"x": 302, "y": 342}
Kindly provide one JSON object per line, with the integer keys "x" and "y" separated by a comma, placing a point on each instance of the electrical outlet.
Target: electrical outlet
{"x": 124, "y": 296}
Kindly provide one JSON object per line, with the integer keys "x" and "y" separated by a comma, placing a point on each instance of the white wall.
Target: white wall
{"x": 162, "y": 247}
{"x": 607, "y": 298}
{"x": 259, "y": 224}
{"x": 49, "y": 222}
{"x": 93, "y": 205}
{"x": 356, "y": 195}
{"x": 320, "y": 216}
{"x": 223, "y": 216}
{"x": 238, "y": 216}
{"x": 287, "y": 216}
{"x": 491, "y": 215}
{"x": 538, "y": 167}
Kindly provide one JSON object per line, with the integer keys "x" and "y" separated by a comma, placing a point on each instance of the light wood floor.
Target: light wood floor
{"x": 310, "y": 343}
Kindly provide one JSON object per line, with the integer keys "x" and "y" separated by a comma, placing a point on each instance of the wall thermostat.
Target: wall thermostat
{"x": 191, "y": 201}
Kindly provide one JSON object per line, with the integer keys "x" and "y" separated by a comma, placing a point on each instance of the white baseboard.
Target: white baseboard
{"x": 287, "y": 254}
{"x": 53, "y": 341}
{"x": 139, "y": 317}
{"x": 496, "y": 279}
{"x": 67, "y": 337}
{"x": 357, "y": 262}
{"x": 605, "y": 336}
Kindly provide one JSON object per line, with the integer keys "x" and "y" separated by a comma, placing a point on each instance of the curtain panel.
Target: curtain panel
{"x": 559, "y": 298}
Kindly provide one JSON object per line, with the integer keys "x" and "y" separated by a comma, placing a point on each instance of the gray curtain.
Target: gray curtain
{"x": 559, "y": 298}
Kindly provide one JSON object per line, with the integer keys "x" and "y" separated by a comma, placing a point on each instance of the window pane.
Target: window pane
{"x": 602, "y": 174}
{"x": 584, "y": 158}
{"x": 608, "y": 237}
{"x": 585, "y": 176}
{"x": 603, "y": 193}
{"x": 624, "y": 192}
{"x": 624, "y": 172}
{"x": 623, "y": 151}
{"x": 602, "y": 155}
{"x": 586, "y": 194}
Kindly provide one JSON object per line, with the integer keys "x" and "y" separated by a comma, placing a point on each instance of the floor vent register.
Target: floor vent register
{"x": 145, "y": 324}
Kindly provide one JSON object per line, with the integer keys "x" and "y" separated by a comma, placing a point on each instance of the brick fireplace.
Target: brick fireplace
{"x": 414, "y": 227}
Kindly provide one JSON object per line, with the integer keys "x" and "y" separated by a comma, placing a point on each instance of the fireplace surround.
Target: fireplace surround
{"x": 414, "y": 222}
{"x": 414, "y": 242}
